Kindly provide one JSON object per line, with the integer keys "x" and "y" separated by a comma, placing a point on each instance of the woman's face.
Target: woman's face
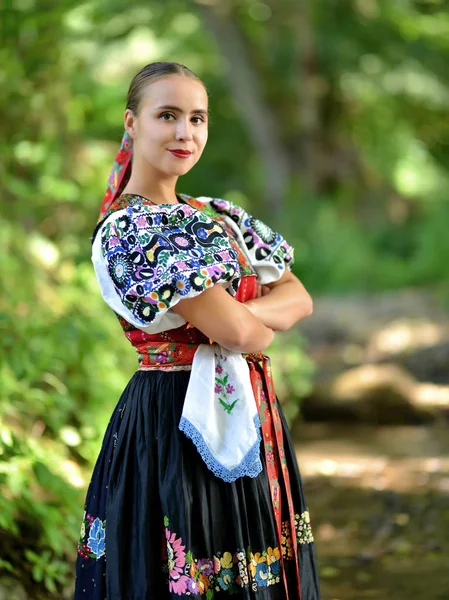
{"x": 172, "y": 117}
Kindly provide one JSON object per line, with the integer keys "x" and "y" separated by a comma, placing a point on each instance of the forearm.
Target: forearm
{"x": 252, "y": 334}
{"x": 283, "y": 306}
{"x": 225, "y": 321}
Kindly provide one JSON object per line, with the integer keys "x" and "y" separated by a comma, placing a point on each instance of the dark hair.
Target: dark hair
{"x": 150, "y": 73}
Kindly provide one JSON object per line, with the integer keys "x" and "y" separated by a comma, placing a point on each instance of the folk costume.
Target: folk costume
{"x": 196, "y": 491}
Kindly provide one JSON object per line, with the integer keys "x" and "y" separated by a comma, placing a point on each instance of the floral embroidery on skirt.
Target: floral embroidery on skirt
{"x": 223, "y": 572}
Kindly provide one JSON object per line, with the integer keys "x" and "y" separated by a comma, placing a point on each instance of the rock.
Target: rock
{"x": 380, "y": 358}
{"x": 432, "y": 398}
{"x": 405, "y": 335}
{"x": 365, "y": 557}
{"x": 356, "y": 317}
{"x": 428, "y": 363}
{"x": 380, "y": 393}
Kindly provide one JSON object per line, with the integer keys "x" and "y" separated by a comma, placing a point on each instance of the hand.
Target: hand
{"x": 262, "y": 290}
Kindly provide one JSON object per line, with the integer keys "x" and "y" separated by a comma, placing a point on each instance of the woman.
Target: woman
{"x": 186, "y": 498}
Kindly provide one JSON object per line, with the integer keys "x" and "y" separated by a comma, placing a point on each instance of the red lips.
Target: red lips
{"x": 180, "y": 153}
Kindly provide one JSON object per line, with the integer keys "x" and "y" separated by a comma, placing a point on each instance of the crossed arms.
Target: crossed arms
{"x": 248, "y": 326}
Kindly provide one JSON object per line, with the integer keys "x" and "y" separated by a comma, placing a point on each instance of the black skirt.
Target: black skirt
{"x": 158, "y": 524}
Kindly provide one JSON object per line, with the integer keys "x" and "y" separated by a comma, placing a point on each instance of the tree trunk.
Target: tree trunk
{"x": 246, "y": 89}
{"x": 308, "y": 97}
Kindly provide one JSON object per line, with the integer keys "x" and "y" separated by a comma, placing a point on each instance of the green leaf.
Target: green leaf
{"x": 7, "y": 566}
{"x": 50, "y": 584}
{"x": 31, "y": 556}
{"x": 37, "y": 572}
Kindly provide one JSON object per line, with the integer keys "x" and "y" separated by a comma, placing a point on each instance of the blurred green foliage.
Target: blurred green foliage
{"x": 358, "y": 93}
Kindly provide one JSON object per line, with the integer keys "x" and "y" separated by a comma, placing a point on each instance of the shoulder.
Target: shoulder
{"x": 256, "y": 232}
{"x": 165, "y": 219}
{"x": 268, "y": 252}
{"x": 217, "y": 207}
{"x": 165, "y": 234}
{"x": 154, "y": 256}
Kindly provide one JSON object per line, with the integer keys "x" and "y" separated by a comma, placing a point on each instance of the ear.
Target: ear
{"x": 130, "y": 122}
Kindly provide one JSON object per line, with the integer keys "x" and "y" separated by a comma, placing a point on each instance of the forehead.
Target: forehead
{"x": 175, "y": 90}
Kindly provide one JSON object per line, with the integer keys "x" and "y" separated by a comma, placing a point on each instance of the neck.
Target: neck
{"x": 151, "y": 184}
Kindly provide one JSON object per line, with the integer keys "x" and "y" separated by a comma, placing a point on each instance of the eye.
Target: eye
{"x": 198, "y": 119}
{"x": 166, "y": 116}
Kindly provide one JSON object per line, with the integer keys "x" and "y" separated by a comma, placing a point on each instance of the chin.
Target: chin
{"x": 179, "y": 170}
{"x": 175, "y": 172}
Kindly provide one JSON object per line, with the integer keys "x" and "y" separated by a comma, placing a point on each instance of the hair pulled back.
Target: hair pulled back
{"x": 151, "y": 73}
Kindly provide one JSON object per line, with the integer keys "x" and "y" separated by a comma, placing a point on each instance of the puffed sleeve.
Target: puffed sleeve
{"x": 149, "y": 258}
{"x": 268, "y": 252}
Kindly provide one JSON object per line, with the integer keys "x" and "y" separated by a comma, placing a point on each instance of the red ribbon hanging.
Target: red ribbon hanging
{"x": 273, "y": 439}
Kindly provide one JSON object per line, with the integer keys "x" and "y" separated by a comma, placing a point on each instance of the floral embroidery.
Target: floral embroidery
{"x": 258, "y": 567}
{"x": 223, "y": 389}
{"x": 156, "y": 255}
{"x": 205, "y": 576}
{"x": 304, "y": 534}
{"x": 160, "y": 353}
{"x": 92, "y": 540}
{"x": 286, "y": 541}
{"x": 200, "y": 572}
{"x": 224, "y": 572}
{"x": 176, "y": 558}
{"x": 243, "y": 577}
{"x": 273, "y": 559}
{"x": 208, "y": 209}
{"x": 262, "y": 243}
{"x": 303, "y": 526}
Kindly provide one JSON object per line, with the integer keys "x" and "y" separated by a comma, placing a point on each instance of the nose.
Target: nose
{"x": 184, "y": 130}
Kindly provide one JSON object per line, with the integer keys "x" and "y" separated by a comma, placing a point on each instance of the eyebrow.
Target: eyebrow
{"x": 169, "y": 107}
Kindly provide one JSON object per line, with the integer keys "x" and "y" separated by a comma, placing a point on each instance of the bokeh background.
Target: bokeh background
{"x": 330, "y": 121}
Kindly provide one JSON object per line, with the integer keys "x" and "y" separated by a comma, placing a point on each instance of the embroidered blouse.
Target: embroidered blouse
{"x": 149, "y": 257}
